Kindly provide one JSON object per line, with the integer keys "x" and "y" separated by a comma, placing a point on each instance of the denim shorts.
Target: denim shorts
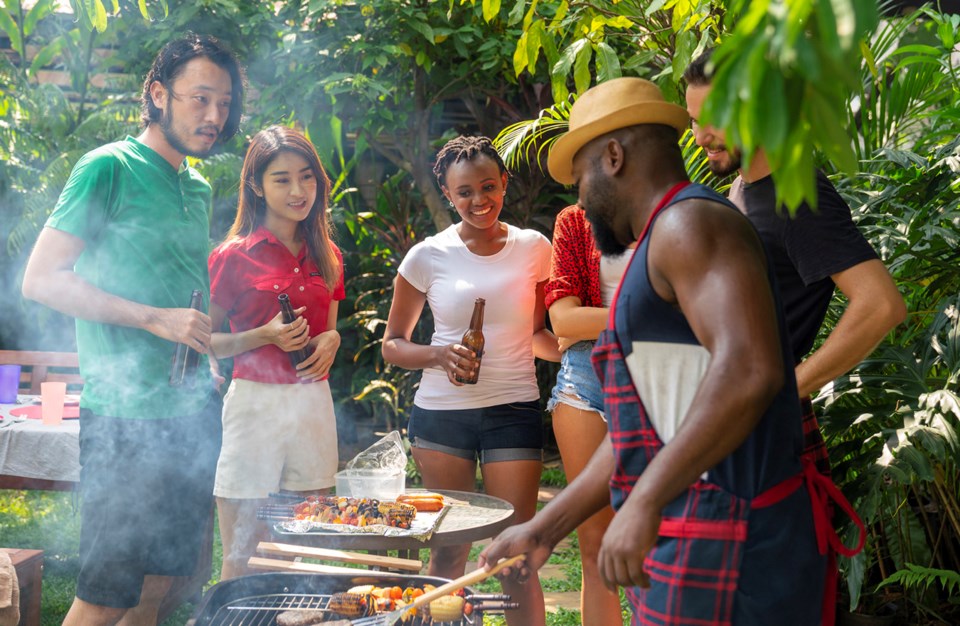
{"x": 503, "y": 432}
{"x": 577, "y": 384}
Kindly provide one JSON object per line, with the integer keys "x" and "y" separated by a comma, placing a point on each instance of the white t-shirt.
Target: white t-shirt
{"x": 611, "y": 271}
{"x": 452, "y": 277}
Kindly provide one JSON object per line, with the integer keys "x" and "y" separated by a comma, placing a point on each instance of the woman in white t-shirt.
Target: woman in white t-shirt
{"x": 498, "y": 420}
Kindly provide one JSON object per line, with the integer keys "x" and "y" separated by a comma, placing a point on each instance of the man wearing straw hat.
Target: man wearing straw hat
{"x": 702, "y": 460}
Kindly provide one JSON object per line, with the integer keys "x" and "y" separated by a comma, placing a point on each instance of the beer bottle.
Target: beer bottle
{"x": 473, "y": 340}
{"x": 185, "y": 360}
{"x": 297, "y": 356}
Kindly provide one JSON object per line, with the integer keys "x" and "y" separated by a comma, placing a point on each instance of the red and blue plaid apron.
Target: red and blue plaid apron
{"x": 760, "y": 557}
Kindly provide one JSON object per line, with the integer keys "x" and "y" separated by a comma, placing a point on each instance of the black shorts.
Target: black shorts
{"x": 146, "y": 489}
{"x": 504, "y": 432}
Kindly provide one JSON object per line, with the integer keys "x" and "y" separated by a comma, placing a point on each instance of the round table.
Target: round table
{"x": 471, "y": 517}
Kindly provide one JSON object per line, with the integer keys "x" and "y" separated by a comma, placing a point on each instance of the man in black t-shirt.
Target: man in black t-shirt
{"x": 812, "y": 252}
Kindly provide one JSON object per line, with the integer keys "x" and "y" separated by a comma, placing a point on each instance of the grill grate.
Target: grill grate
{"x": 262, "y": 610}
{"x": 257, "y": 599}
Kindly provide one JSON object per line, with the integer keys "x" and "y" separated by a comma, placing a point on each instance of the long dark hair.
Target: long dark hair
{"x": 251, "y": 209}
{"x": 169, "y": 65}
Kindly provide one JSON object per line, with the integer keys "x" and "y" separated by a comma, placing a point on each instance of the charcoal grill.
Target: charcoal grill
{"x": 257, "y": 599}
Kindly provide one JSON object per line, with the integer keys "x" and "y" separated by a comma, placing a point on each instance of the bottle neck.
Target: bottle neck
{"x": 476, "y": 322}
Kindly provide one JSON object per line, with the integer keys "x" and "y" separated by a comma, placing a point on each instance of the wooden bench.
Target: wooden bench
{"x": 40, "y": 367}
{"x": 29, "y": 567}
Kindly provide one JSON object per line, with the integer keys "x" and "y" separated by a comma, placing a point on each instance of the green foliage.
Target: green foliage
{"x": 892, "y": 424}
{"x": 782, "y": 72}
{"x": 553, "y": 476}
{"x": 921, "y": 578}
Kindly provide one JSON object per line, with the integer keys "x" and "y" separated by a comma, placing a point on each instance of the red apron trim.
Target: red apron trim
{"x": 667, "y": 197}
{"x": 823, "y": 492}
{"x": 702, "y": 529}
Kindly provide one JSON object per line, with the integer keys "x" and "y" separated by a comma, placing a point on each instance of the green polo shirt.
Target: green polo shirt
{"x": 146, "y": 228}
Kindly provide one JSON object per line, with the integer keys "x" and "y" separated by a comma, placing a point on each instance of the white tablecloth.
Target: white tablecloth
{"x": 31, "y": 450}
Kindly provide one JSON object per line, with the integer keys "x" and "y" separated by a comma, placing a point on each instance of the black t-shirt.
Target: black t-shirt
{"x": 805, "y": 250}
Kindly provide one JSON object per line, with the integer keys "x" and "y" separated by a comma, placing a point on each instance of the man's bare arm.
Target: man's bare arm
{"x": 536, "y": 538}
{"x": 50, "y": 279}
{"x": 875, "y": 307}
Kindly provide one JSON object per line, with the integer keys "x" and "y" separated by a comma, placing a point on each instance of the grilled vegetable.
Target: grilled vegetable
{"x": 351, "y": 604}
{"x": 398, "y": 515}
{"x": 447, "y": 609}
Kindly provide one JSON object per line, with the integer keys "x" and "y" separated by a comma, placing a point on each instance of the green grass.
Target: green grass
{"x": 48, "y": 521}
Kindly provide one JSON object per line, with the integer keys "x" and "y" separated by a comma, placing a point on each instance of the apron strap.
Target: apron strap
{"x": 823, "y": 495}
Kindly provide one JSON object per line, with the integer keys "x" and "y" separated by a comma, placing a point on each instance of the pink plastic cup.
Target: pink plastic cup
{"x": 52, "y": 396}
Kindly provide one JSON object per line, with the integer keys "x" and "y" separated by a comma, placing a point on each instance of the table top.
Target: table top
{"x": 31, "y": 450}
{"x": 471, "y": 517}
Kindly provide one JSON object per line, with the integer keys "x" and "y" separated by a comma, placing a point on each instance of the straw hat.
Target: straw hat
{"x": 614, "y": 104}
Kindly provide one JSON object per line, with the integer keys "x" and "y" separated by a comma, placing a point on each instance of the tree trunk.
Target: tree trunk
{"x": 423, "y": 155}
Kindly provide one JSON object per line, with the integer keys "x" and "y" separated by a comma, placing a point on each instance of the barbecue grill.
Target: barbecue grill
{"x": 256, "y": 600}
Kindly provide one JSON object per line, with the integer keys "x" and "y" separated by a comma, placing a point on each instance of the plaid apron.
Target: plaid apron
{"x": 722, "y": 559}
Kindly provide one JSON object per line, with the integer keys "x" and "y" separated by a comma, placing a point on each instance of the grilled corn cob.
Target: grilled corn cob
{"x": 350, "y": 604}
{"x": 446, "y": 609}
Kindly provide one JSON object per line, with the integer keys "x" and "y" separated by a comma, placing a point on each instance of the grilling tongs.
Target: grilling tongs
{"x": 387, "y": 619}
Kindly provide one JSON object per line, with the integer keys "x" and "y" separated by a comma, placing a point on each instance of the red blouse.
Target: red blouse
{"x": 247, "y": 275}
{"x": 575, "y": 264}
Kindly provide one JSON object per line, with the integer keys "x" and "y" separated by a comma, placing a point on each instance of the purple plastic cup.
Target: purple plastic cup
{"x": 9, "y": 383}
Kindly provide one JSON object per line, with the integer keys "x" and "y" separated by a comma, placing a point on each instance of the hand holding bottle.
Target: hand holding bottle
{"x": 323, "y": 349}
{"x": 288, "y": 337}
{"x": 459, "y": 362}
{"x": 186, "y": 326}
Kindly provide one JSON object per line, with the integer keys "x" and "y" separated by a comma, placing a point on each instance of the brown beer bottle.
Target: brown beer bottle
{"x": 473, "y": 340}
{"x": 183, "y": 369}
{"x": 297, "y": 356}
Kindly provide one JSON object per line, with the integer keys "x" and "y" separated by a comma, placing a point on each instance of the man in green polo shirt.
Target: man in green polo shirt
{"x": 124, "y": 248}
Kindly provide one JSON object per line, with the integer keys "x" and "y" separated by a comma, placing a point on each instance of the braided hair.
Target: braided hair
{"x": 465, "y": 148}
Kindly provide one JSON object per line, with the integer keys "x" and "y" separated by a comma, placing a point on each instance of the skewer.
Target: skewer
{"x": 486, "y": 597}
{"x": 496, "y": 606}
{"x": 286, "y": 496}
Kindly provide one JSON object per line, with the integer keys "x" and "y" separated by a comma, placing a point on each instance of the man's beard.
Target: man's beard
{"x": 604, "y": 237}
{"x": 732, "y": 164}
{"x": 600, "y": 202}
{"x": 170, "y": 134}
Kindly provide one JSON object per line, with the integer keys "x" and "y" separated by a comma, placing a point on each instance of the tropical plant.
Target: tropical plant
{"x": 374, "y": 243}
{"x": 892, "y": 430}
{"x": 783, "y": 68}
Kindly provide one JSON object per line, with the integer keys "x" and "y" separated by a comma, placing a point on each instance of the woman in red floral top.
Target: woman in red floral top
{"x": 577, "y": 296}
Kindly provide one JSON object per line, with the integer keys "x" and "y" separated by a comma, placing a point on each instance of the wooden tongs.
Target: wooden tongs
{"x": 296, "y": 553}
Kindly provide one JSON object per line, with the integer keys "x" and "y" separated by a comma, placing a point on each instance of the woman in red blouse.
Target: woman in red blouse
{"x": 279, "y": 427}
{"x": 577, "y": 297}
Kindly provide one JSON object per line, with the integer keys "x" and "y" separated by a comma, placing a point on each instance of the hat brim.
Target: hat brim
{"x": 560, "y": 159}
